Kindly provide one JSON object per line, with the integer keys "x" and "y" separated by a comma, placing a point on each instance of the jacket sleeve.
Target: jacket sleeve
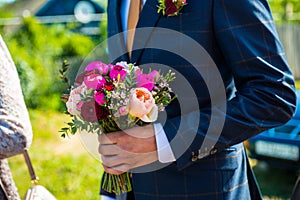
{"x": 15, "y": 127}
{"x": 265, "y": 93}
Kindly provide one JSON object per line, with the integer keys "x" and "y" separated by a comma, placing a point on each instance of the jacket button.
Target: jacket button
{"x": 213, "y": 151}
{"x": 194, "y": 157}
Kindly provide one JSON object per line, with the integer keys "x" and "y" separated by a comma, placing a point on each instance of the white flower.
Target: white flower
{"x": 123, "y": 64}
{"x": 74, "y": 99}
{"x": 123, "y": 95}
{"x": 115, "y": 95}
{"x": 154, "y": 93}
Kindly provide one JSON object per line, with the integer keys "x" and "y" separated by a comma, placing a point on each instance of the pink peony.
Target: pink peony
{"x": 142, "y": 105}
{"x": 117, "y": 73}
{"x": 147, "y": 80}
{"x": 138, "y": 72}
{"x": 99, "y": 66}
{"x": 94, "y": 81}
{"x": 100, "y": 98}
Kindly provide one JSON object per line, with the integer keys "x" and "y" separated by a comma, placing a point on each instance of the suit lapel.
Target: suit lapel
{"x": 117, "y": 45}
{"x": 148, "y": 18}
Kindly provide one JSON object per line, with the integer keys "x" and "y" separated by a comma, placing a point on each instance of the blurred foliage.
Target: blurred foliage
{"x": 4, "y": 14}
{"x": 286, "y": 10}
{"x": 38, "y": 51}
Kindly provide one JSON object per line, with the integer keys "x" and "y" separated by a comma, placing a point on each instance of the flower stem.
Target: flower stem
{"x": 116, "y": 183}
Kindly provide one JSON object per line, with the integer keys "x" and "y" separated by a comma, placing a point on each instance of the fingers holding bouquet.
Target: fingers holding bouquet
{"x": 125, "y": 150}
{"x": 120, "y": 163}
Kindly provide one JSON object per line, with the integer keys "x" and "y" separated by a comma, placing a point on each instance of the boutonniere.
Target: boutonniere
{"x": 170, "y": 7}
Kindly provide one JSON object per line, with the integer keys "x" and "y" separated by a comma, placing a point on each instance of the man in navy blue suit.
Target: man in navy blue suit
{"x": 257, "y": 85}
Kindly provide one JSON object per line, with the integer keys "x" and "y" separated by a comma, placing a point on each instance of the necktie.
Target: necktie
{"x": 133, "y": 16}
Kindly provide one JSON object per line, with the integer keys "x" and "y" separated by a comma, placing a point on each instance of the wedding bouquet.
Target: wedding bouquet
{"x": 106, "y": 98}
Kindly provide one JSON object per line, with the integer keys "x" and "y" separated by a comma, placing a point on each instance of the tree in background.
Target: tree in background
{"x": 38, "y": 52}
{"x": 286, "y": 10}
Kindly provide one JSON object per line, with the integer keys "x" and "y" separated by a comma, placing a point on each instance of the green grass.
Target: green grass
{"x": 63, "y": 165}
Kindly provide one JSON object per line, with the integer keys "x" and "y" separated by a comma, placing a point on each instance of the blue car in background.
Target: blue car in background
{"x": 279, "y": 147}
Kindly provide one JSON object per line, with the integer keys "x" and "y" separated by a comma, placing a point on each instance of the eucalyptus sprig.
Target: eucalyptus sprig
{"x": 71, "y": 126}
{"x": 70, "y": 129}
{"x": 62, "y": 71}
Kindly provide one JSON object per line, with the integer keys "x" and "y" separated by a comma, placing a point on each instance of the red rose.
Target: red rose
{"x": 170, "y": 7}
{"x": 109, "y": 86}
{"x": 100, "y": 98}
{"x": 88, "y": 111}
{"x": 92, "y": 112}
{"x": 101, "y": 113}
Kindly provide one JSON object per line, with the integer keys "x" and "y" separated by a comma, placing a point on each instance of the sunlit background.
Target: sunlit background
{"x": 40, "y": 36}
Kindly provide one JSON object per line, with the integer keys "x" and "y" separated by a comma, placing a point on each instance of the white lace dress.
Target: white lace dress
{"x": 15, "y": 127}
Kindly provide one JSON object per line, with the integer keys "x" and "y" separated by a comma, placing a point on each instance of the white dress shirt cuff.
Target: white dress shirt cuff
{"x": 103, "y": 197}
{"x": 165, "y": 153}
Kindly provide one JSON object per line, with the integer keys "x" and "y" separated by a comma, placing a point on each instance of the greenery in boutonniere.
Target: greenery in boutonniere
{"x": 170, "y": 7}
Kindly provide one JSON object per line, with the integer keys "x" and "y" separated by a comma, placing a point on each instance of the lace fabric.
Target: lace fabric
{"x": 15, "y": 127}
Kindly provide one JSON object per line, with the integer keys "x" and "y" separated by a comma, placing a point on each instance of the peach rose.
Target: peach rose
{"x": 142, "y": 105}
{"x": 74, "y": 99}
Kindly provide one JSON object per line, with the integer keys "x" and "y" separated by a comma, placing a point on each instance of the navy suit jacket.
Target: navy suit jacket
{"x": 242, "y": 41}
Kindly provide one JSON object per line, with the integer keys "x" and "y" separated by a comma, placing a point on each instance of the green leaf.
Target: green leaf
{"x": 70, "y": 123}
{"x": 74, "y": 130}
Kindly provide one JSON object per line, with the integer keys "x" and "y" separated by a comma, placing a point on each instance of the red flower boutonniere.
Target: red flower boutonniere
{"x": 170, "y": 7}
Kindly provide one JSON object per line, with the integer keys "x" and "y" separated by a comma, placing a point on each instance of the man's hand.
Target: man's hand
{"x": 124, "y": 150}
